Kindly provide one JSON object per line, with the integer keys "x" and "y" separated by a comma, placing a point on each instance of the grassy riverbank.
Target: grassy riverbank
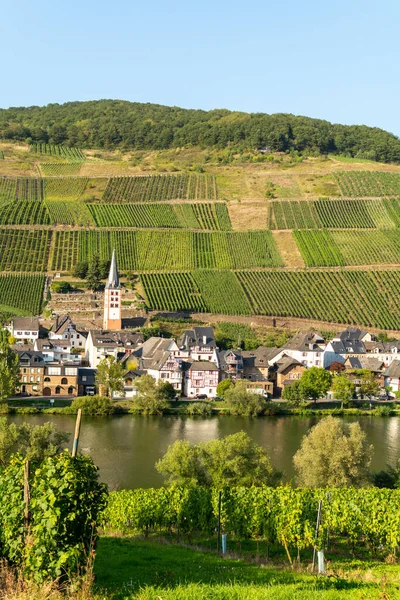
{"x": 146, "y": 570}
{"x": 182, "y": 408}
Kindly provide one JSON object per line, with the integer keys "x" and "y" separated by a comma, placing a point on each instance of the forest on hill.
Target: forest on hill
{"x": 112, "y": 124}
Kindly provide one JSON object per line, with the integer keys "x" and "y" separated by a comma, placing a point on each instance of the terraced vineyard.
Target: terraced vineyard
{"x": 168, "y": 250}
{"x": 60, "y": 169}
{"x": 65, "y": 188}
{"x": 23, "y": 292}
{"x": 58, "y": 150}
{"x": 24, "y": 213}
{"x": 24, "y": 249}
{"x": 369, "y": 298}
{"x": 337, "y": 214}
{"x": 69, "y": 213}
{"x": 159, "y": 188}
{"x": 358, "y": 184}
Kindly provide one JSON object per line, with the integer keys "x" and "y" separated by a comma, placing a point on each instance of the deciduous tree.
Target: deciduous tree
{"x": 110, "y": 376}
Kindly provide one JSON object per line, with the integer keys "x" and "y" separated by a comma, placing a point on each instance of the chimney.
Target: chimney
{"x": 204, "y": 339}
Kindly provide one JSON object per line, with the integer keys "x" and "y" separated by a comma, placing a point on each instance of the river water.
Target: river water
{"x": 126, "y": 447}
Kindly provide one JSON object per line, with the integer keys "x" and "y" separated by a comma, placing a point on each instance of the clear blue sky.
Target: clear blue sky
{"x": 333, "y": 60}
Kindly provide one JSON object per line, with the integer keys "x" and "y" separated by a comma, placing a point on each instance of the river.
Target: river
{"x": 126, "y": 447}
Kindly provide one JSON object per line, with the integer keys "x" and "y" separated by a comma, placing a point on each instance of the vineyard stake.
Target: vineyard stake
{"x": 316, "y": 533}
{"x": 219, "y": 521}
{"x": 77, "y": 432}
{"x": 26, "y": 494}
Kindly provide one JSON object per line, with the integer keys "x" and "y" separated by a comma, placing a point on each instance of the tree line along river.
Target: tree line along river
{"x": 126, "y": 447}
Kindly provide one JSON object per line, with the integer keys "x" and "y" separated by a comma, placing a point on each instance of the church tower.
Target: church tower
{"x": 112, "y": 299}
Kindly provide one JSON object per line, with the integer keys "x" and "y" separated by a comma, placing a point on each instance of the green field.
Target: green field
{"x": 359, "y": 297}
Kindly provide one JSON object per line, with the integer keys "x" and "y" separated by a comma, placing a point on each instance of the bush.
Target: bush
{"x": 201, "y": 409}
{"x": 66, "y": 501}
{"x": 93, "y": 405}
{"x": 61, "y": 287}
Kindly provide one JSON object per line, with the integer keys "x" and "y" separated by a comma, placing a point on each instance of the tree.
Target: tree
{"x": 242, "y": 402}
{"x": 223, "y": 386}
{"x": 110, "y": 376}
{"x": 34, "y": 442}
{"x": 9, "y": 367}
{"x": 343, "y": 388}
{"x": 368, "y": 385}
{"x": 93, "y": 405}
{"x": 168, "y": 390}
{"x": 294, "y": 394}
{"x": 151, "y": 399}
{"x": 104, "y": 268}
{"x": 81, "y": 269}
{"x": 315, "y": 382}
{"x": 333, "y": 454}
{"x": 61, "y": 287}
{"x": 235, "y": 460}
{"x": 93, "y": 277}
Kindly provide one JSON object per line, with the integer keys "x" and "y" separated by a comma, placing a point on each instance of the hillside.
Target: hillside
{"x": 131, "y": 125}
{"x": 256, "y": 236}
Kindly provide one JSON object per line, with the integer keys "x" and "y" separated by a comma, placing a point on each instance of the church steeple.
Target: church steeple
{"x": 112, "y": 298}
{"x": 113, "y": 277}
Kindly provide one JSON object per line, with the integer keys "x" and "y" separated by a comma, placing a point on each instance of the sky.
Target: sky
{"x": 332, "y": 60}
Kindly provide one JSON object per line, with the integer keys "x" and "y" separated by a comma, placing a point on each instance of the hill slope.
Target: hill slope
{"x": 132, "y": 125}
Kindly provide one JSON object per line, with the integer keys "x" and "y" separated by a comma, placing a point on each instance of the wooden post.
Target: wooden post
{"x": 219, "y": 522}
{"x": 316, "y": 533}
{"x": 77, "y": 432}
{"x": 26, "y": 494}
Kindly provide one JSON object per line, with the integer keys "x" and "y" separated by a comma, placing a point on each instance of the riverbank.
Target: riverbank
{"x": 206, "y": 409}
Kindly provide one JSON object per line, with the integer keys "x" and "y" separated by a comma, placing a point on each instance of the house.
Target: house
{"x": 31, "y": 367}
{"x": 230, "y": 364}
{"x": 286, "y": 371}
{"x": 39, "y": 377}
{"x": 306, "y": 348}
{"x": 198, "y": 344}
{"x": 65, "y": 329}
{"x": 350, "y": 342}
{"x": 100, "y": 344}
{"x": 24, "y": 329}
{"x": 158, "y": 359}
{"x": 392, "y": 377}
{"x": 201, "y": 378}
{"x": 129, "y": 390}
{"x": 257, "y": 363}
{"x": 57, "y": 350}
{"x": 86, "y": 381}
{"x": 386, "y": 351}
{"x": 354, "y": 364}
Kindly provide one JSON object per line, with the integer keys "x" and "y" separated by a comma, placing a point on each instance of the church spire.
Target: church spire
{"x": 113, "y": 277}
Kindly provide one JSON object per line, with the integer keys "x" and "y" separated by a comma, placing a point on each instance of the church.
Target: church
{"x": 112, "y": 319}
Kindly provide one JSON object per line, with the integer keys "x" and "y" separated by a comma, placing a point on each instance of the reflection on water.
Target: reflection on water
{"x": 126, "y": 447}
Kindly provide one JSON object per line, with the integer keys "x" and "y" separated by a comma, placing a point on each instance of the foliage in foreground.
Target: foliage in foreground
{"x": 233, "y": 460}
{"x": 368, "y": 518}
{"x": 65, "y": 502}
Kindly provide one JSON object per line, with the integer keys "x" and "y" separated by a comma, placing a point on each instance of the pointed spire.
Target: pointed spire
{"x": 113, "y": 277}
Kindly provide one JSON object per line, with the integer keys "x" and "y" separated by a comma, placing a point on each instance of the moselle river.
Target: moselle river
{"x": 126, "y": 447}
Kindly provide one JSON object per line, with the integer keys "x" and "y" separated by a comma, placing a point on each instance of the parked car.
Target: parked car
{"x": 201, "y": 397}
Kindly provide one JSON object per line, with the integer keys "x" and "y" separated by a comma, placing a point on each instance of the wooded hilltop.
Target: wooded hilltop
{"x": 114, "y": 124}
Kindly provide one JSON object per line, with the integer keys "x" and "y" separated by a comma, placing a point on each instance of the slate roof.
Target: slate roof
{"x": 113, "y": 277}
{"x": 155, "y": 352}
{"x": 305, "y": 342}
{"x": 61, "y": 323}
{"x": 25, "y": 323}
{"x": 285, "y": 362}
{"x": 90, "y": 375}
{"x": 202, "y": 365}
{"x": 370, "y": 363}
{"x": 260, "y": 357}
{"x": 394, "y": 370}
{"x": 223, "y": 356}
{"x": 195, "y": 337}
{"x": 35, "y": 358}
{"x": 112, "y": 339}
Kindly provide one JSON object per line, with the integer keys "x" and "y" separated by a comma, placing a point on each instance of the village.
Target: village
{"x": 64, "y": 362}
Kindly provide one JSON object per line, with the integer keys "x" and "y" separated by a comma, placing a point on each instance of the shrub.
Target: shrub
{"x": 202, "y": 409}
{"x": 93, "y": 405}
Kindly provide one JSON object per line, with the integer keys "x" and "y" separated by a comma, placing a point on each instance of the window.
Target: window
{"x": 19, "y": 332}
{"x": 54, "y": 370}
{"x": 58, "y": 389}
{"x": 304, "y": 353}
{"x": 24, "y": 378}
{"x": 24, "y": 370}
{"x": 64, "y": 381}
{"x": 70, "y": 390}
{"x": 38, "y": 379}
{"x": 84, "y": 378}
{"x": 209, "y": 390}
{"x": 47, "y": 379}
{"x": 70, "y": 370}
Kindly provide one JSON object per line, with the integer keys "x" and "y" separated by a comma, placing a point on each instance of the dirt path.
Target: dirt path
{"x": 288, "y": 249}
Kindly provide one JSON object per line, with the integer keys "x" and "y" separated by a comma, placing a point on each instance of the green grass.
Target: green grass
{"x": 148, "y": 570}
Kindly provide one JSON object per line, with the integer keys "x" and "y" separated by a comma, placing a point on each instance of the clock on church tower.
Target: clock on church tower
{"x": 112, "y": 298}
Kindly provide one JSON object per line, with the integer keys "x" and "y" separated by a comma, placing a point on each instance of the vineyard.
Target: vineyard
{"x": 55, "y": 150}
{"x": 168, "y": 250}
{"x": 24, "y": 213}
{"x": 69, "y": 213}
{"x": 212, "y": 216}
{"x": 367, "y": 518}
{"x": 341, "y": 247}
{"x": 159, "y": 188}
{"x": 66, "y": 188}
{"x": 24, "y": 249}
{"x": 356, "y": 297}
{"x": 23, "y": 292}
{"x": 60, "y": 169}
{"x": 336, "y": 214}
{"x": 358, "y": 184}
